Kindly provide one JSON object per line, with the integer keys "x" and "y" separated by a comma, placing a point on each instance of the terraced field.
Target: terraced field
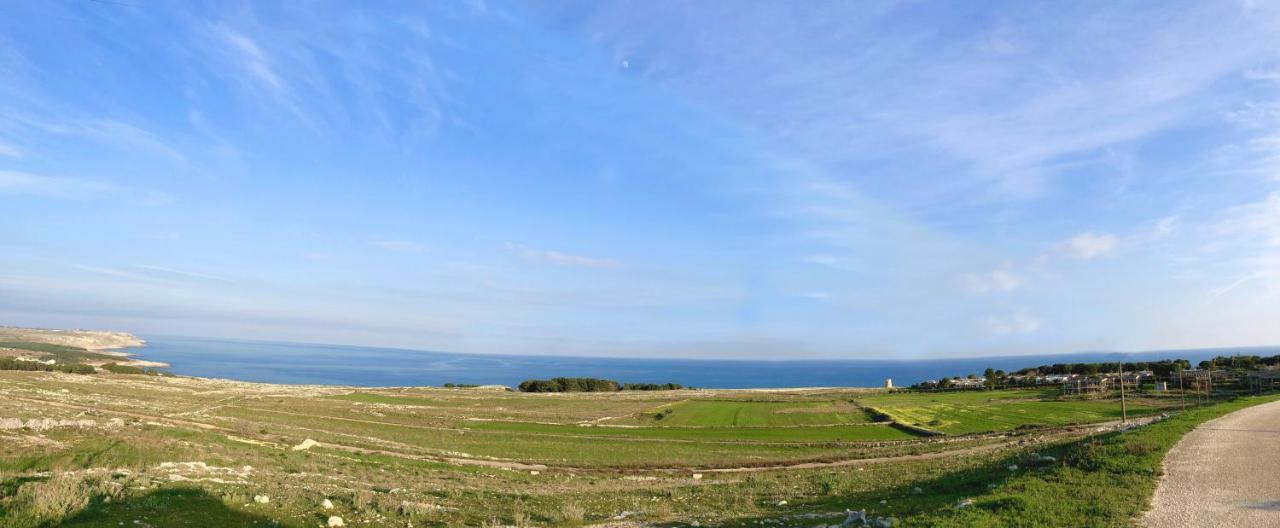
{"x": 169, "y": 451}
{"x": 750, "y": 413}
{"x": 958, "y": 413}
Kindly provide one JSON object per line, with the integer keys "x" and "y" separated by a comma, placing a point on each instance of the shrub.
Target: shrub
{"x": 570, "y": 385}
{"x": 8, "y": 363}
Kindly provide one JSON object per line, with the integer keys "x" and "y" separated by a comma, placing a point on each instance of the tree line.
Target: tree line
{"x": 591, "y": 385}
{"x": 8, "y": 363}
{"x": 1163, "y": 368}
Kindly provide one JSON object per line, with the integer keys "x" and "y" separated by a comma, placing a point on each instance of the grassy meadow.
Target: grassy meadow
{"x": 172, "y": 451}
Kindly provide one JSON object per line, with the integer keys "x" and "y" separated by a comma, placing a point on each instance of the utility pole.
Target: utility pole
{"x": 1181, "y": 393}
{"x": 1208, "y": 394}
{"x": 1124, "y": 407}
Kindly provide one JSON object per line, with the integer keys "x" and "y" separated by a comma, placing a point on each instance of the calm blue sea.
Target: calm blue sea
{"x": 279, "y": 362}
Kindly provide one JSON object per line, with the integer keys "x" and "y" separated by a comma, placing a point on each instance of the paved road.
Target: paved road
{"x": 1225, "y": 473}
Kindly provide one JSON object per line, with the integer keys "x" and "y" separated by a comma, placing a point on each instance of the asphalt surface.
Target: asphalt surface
{"x": 1224, "y": 473}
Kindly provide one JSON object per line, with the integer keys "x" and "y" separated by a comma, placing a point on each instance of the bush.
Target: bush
{"x": 127, "y": 369}
{"x": 652, "y": 386}
{"x": 7, "y": 363}
{"x": 570, "y": 385}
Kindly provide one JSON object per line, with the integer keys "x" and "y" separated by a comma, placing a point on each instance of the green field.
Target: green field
{"x": 735, "y": 413}
{"x": 449, "y": 457}
{"x": 986, "y": 411}
{"x": 838, "y": 433}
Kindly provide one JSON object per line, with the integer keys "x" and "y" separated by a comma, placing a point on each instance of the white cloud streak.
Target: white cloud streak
{"x": 1088, "y": 245}
{"x": 1000, "y": 280}
{"x": 1018, "y": 323}
{"x": 562, "y": 259}
{"x": 84, "y": 189}
{"x": 400, "y": 246}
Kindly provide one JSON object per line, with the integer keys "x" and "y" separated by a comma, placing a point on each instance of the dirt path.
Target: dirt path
{"x": 1225, "y": 473}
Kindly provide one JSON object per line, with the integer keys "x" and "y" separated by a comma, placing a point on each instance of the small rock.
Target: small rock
{"x": 305, "y": 445}
{"x": 917, "y": 491}
{"x": 697, "y": 476}
{"x": 964, "y": 504}
{"x": 1013, "y": 467}
{"x": 261, "y": 499}
{"x": 334, "y": 520}
{"x": 327, "y": 504}
{"x": 535, "y": 472}
{"x": 882, "y": 501}
{"x": 859, "y": 516}
{"x": 782, "y": 503}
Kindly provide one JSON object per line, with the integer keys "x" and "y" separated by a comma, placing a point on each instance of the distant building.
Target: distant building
{"x": 888, "y": 383}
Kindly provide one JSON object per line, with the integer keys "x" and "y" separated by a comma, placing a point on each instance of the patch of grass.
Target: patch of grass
{"x": 183, "y": 506}
{"x": 838, "y": 433}
{"x": 1101, "y": 481}
{"x": 747, "y": 413}
{"x": 986, "y": 411}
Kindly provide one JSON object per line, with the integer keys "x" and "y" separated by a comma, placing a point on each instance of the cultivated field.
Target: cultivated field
{"x": 171, "y": 451}
{"x": 984, "y": 411}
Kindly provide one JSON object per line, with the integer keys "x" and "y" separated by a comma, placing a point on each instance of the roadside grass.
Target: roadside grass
{"x": 738, "y": 413}
{"x": 985, "y": 411}
{"x": 1102, "y": 481}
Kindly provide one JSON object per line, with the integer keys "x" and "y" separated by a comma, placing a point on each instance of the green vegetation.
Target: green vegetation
{"x": 128, "y": 369}
{"x": 16, "y": 364}
{"x": 848, "y": 433}
{"x": 591, "y": 385}
{"x": 1100, "y": 481}
{"x": 570, "y": 385}
{"x": 59, "y": 353}
{"x": 743, "y": 413}
{"x": 190, "y": 452}
{"x": 985, "y": 411}
{"x": 653, "y": 386}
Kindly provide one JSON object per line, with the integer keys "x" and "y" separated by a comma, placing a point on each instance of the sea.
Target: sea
{"x": 305, "y": 363}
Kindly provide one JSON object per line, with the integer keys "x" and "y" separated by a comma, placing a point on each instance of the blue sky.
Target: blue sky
{"x": 698, "y": 179}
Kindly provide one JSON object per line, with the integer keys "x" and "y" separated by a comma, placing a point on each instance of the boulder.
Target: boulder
{"x": 334, "y": 520}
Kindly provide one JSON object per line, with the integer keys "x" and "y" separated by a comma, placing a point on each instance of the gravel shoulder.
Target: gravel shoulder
{"x": 1224, "y": 473}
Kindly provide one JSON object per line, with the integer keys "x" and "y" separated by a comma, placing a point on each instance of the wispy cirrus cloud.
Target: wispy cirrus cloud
{"x": 85, "y": 189}
{"x": 182, "y": 273}
{"x": 998, "y": 280}
{"x": 1090, "y": 245}
{"x": 250, "y": 57}
{"x": 562, "y": 259}
{"x": 400, "y": 245}
{"x": 1012, "y": 324}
